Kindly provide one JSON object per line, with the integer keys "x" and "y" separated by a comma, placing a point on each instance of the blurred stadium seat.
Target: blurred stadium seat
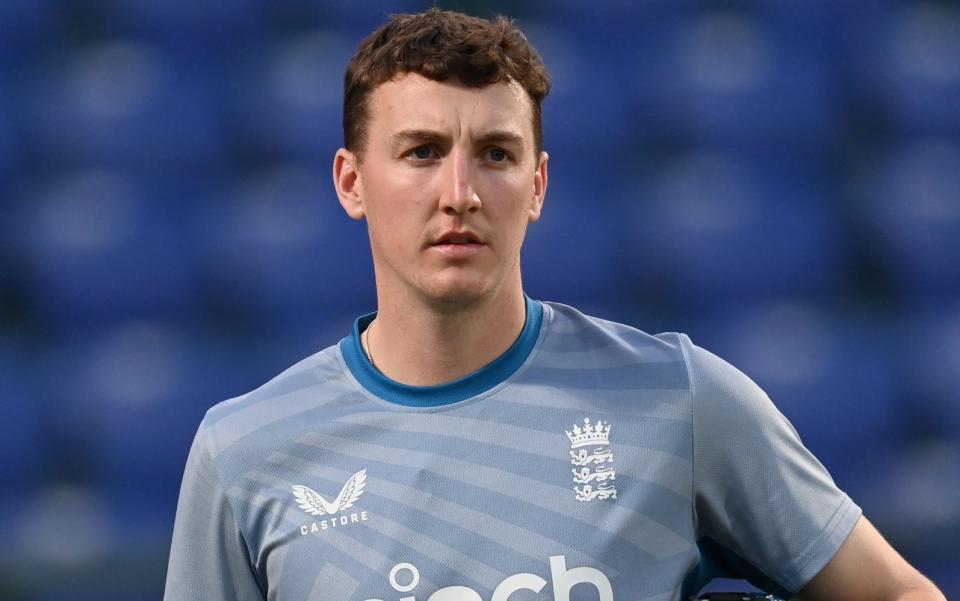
{"x": 22, "y": 465}
{"x": 98, "y": 248}
{"x": 579, "y": 68}
{"x": 122, "y": 102}
{"x": 287, "y": 106}
{"x": 362, "y": 16}
{"x": 921, "y": 82}
{"x": 929, "y": 355}
{"x": 8, "y": 136}
{"x": 907, "y": 205}
{"x": 128, "y": 399}
{"x": 270, "y": 246}
{"x": 729, "y": 66}
{"x": 209, "y": 24}
{"x": 761, "y": 227}
{"x": 570, "y": 252}
{"x": 22, "y": 23}
{"x": 778, "y": 179}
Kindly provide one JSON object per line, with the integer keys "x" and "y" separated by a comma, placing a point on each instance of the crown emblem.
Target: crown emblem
{"x": 589, "y": 434}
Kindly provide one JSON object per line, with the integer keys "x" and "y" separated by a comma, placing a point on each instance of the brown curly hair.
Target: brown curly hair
{"x": 441, "y": 45}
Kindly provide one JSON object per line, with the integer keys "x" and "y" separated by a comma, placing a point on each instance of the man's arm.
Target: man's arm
{"x": 867, "y": 568}
{"x": 209, "y": 559}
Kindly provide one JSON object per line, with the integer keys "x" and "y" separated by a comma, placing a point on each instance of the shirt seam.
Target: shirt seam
{"x": 693, "y": 433}
{"x": 546, "y": 319}
{"x": 813, "y": 553}
{"x": 207, "y": 440}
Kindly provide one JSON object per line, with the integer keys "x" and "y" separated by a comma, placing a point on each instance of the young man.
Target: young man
{"x": 468, "y": 443}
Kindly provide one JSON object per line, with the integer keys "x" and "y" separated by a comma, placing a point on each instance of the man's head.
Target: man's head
{"x": 445, "y": 111}
{"x": 441, "y": 46}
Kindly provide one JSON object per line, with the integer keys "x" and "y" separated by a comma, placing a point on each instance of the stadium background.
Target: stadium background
{"x": 780, "y": 180}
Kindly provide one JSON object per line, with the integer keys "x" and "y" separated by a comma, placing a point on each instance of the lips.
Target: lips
{"x": 458, "y": 244}
{"x": 455, "y": 237}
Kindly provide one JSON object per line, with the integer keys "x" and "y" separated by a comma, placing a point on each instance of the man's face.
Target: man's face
{"x": 447, "y": 184}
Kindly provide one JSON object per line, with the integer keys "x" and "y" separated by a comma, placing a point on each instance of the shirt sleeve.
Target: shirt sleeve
{"x": 209, "y": 558}
{"x": 765, "y": 508}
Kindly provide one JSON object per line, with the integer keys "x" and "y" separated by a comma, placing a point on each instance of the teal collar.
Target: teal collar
{"x": 471, "y": 385}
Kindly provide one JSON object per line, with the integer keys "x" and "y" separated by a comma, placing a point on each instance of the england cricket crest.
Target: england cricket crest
{"x": 592, "y": 461}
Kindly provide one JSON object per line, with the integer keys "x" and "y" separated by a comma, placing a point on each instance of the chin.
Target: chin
{"x": 460, "y": 293}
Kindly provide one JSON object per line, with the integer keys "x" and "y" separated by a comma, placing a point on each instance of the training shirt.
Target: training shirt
{"x": 590, "y": 461}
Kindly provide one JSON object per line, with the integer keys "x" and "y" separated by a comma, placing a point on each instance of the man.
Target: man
{"x": 466, "y": 442}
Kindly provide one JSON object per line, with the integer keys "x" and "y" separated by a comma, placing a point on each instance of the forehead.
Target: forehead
{"x": 411, "y": 101}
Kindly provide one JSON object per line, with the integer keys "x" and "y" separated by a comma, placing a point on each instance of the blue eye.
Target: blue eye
{"x": 422, "y": 152}
{"x": 498, "y": 155}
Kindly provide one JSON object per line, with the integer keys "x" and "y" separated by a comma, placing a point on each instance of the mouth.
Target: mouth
{"x": 458, "y": 245}
{"x": 458, "y": 238}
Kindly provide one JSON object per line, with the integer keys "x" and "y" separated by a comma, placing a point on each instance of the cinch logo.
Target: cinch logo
{"x": 310, "y": 501}
{"x": 562, "y": 580}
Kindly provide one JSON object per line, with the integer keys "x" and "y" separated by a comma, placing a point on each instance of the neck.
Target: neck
{"x": 427, "y": 345}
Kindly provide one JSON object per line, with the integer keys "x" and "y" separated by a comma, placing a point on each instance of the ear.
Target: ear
{"x": 346, "y": 180}
{"x": 539, "y": 188}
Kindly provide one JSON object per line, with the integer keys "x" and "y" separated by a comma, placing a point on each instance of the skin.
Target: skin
{"x": 867, "y": 568}
{"x": 443, "y": 158}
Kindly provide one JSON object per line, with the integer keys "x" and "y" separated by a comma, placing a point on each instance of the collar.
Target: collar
{"x": 468, "y": 386}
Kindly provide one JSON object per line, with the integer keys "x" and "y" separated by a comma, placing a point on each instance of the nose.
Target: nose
{"x": 459, "y": 196}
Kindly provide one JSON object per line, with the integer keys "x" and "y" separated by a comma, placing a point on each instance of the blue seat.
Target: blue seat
{"x": 292, "y": 96}
{"x": 920, "y": 78}
{"x": 581, "y": 116}
{"x": 97, "y": 540}
{"x": 363, "y": 15}
{"x": 185, "y": 23}
{"x": 742, "y": 86}
{"x": 125, "y": 103}
{"x": 929, "y": 353}
{"x": 909, "y": 211}
{"x": 897, "y": 64}
{"x": 8, "y": 132}
{"x": 22, "y": 425}
{"x": 714, "y": 228}
{"x": 128, "y": 398}
{"x": 99, "y": 248}
{"x": 571, "y": 254}
{"x": 272, "y": 248}
{"x": 22, "y": 22}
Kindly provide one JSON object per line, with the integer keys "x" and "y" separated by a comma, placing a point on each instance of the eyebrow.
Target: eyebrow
{"x": 501, "y": 137}
{"x": 407, "y": 136}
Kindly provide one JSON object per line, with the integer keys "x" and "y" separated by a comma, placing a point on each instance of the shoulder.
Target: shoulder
{"x": 304, "y": 386}
{"x": 589, "y": 341}
{"x": 723, "y": 393}
{"x": 568, "y": 326}
{"x": 580, "y": 349}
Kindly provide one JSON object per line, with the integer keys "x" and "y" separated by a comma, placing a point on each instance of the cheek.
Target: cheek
{"x": 510, "y": 203}
{"x": 394, "y": 217}
{"x": 510, "y": 223}
{"x": 398, "y": 192}
{"x": 389, "y": 230}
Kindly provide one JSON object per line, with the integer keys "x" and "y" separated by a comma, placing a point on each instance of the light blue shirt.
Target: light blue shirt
{"x": 589, "y": 461}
